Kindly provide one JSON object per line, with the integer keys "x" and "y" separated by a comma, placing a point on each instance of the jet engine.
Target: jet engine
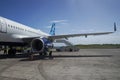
{"x": 37, "y": 45}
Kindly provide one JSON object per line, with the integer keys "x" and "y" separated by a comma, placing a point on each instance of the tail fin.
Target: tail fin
{"x": 115, "y": 29}
{"x": 52, "y": 31}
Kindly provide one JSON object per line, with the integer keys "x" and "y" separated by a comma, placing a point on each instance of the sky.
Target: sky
{"x": 70, "y": 16}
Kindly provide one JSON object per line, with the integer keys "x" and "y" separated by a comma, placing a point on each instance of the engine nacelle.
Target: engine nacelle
{"x": 37, "y": 45}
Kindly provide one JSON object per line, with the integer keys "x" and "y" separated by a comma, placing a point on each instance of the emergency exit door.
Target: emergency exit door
{"x": 0, "y": 26}
{"x": 3, "y": 26}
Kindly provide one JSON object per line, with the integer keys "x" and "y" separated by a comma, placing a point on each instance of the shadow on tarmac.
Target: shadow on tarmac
{"x": 72, "y": 56}
{"x": 63, "y": 56}
{"x": 37, "y": 57}
{"x": 4, "y": 56}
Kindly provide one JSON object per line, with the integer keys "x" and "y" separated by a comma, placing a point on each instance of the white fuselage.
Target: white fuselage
{"x": 11, "y": 31}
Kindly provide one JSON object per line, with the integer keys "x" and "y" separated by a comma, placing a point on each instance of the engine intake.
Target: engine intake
{"x": 37, "y": 45}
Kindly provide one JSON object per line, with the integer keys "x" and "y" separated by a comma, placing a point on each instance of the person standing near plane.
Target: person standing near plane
{"x": 5, "y": 49}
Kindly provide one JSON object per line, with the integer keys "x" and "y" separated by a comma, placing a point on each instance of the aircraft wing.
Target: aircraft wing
{"x": 84, "y": 34}
{"x": 76, "y": 35}
{"x": 53, "y": 37}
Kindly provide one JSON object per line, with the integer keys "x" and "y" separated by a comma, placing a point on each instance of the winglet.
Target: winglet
{"x": 52, "y": 31}
{"x": 115, "y": 29}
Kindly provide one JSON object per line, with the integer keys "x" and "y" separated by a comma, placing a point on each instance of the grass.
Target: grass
{"x": 99, "y": 46}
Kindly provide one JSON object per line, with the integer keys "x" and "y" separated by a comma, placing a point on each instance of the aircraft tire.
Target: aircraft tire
{"x": 11, "y": 52}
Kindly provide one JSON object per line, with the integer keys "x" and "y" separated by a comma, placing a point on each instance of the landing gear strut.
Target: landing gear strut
{"x": 11, "y": 52}
{"x": 46, "y": 53}
{"x": 43, "y": 54}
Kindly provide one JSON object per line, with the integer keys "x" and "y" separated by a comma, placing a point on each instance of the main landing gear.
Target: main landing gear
{"x": 11, "y": 52}
{"x": 45, "y": 54}
{"x": 42, "y": 55}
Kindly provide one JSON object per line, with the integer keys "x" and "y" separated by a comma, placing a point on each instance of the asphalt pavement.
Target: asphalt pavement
{"x": 87, "y": 64}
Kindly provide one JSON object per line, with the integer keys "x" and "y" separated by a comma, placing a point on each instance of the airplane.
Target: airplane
{"x": 14, "y": 34}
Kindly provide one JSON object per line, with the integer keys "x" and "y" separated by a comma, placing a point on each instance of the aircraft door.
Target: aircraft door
{"x": 3, "y": 26}
{"x": 0, "y": 26}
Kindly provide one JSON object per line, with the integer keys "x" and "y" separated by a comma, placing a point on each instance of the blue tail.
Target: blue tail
{"x": 52, "y": 31}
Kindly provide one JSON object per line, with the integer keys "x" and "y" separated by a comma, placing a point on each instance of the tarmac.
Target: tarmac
{"x": 87, "y": 64}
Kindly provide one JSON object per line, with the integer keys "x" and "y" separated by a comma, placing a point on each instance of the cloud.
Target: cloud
{"x": 48, "y": 27}
{"x": 78, "y": 30}
{"x": 88, "y": 30}
{"x": 59, "y": 21}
